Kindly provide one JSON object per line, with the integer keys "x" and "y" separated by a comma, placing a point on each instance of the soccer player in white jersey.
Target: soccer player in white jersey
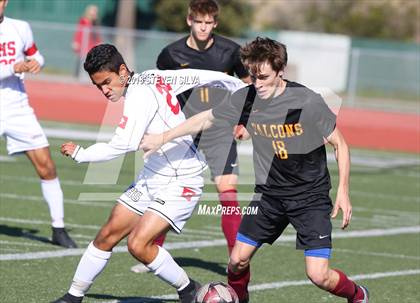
{"x": 19, "y": 55}
{"x": 167, "y": 189}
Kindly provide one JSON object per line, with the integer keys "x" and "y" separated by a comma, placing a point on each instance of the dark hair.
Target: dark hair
{"x": 261, "y": 50}
{"x": 203, "y": 7}
{"x": 103, "y": 57}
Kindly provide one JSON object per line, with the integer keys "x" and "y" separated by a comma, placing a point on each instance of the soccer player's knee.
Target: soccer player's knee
{"x": 105, "y": 239}
{"x": 318, "y": 277}
{"x": 137, "y": 247}
{"x": 238, "y": 263}
{"x": 46, "y": 169}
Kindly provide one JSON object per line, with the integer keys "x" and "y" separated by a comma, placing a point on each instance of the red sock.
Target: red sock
{"x": 239, "y": 282}
{"x": 159, "y": 240}
{"x": 345, "y": 287}
{"x": 232, "y": 219}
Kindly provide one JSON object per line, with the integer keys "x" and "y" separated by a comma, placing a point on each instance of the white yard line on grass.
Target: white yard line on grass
{"x": 212, "y": 243}
{"x": 7, "y": 159}
{"x": 283, "y": 284}
{"x": 39, "y": 222}
{"x": 62, "y": 181}
{"x": 377, "y": 254}
{"x": 25, "y": 198}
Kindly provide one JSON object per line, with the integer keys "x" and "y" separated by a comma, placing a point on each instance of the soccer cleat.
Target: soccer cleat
{"x": 68, "y": 298}
{"x": 61, "y": 237}
{"x": 139, "y": 268}
{"x": 365, "y": 295}
{"x": 187, "y": 295}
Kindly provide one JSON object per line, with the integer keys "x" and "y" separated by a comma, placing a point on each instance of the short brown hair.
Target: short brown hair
{"x": 261, "y": 50}
{"x": 203, "y": 7}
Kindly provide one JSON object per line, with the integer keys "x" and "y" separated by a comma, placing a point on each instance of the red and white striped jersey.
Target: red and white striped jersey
{"x": 16, "y": 45}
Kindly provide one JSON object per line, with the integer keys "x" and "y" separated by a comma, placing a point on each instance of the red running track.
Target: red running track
{"x": 78, "y": 103}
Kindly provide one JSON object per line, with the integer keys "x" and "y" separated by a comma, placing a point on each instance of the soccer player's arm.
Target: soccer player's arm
{"x": 225, "y": 111}
{"x": 34, "y": 59}
{"x": 342, "y": 153}
{"x": 191, "y": 78}
{"x": 326, "y": 123}
{"x": 197, "y": 123}
{"x": 139, "y": 109}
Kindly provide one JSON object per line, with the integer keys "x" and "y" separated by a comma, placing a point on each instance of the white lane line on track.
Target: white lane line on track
{"x": 212, "y": 243}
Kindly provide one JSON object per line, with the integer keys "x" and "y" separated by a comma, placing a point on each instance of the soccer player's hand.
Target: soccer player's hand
{"x": 151, "y": 143}
{"x": 342, "y": 202}
{"x": 20, "y": 67}
{"x": 68, "y": 148}
{"x": 240, "y": 132}
{"x": 33, "y": 66}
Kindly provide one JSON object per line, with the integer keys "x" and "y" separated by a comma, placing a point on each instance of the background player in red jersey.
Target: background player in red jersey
{"x": 202, "y": 49}
{"x": 18, "y": 123}
{"x": 288, "y": 124}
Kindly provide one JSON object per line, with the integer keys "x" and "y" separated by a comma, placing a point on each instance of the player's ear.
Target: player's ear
{"x": 189, "y": 20}
{"x": 122, "y": 70}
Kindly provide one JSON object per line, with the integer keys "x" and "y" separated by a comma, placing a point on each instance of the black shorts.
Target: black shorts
{"x": 310, "y": 218}
{"x": 221, "y": 157}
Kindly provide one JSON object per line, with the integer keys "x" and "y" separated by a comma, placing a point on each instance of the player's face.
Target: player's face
{"x": 201, "y": 26}
{"x": 111, "y": 84}
{"x": 267, "y": 81}
{"x": 3, "y": 4}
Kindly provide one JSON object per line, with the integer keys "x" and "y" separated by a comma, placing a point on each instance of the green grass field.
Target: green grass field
{"x": 381, "y": 249}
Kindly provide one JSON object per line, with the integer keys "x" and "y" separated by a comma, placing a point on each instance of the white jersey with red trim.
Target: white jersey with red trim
{"x": 16, "y": 45}
{"x": 151, "y": 106}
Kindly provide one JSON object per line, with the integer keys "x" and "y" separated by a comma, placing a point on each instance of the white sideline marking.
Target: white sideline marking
{"x": 211, "y": 243}
{"x": 7, "y": 159}
{"x": 283, "y": 284}
{"x": 372, "y": 276}
{"x": 25, "y": 198}
{"x": 64, "y": 182}
{"x": 377, "y": 254}
{"x": 38, "y": 222}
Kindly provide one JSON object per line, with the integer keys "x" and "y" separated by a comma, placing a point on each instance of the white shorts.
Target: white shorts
{"x": 172, "y": 199}
{"x": 22, "y": 131}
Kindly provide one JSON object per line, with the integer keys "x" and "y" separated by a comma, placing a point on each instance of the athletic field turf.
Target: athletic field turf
{"x": 381, "y": 249}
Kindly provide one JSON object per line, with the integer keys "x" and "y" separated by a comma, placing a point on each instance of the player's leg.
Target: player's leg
{"x": 332, "y": 280}
{"x": 24, "y": 134}
{"x": 314, "y": 230}
{"x": 239, "y": 266}
{"x": 255, "y": 229}
{"x": 230, "y": 221}
{"x": 172, "y": 204}
{"x": 158, "y": 260}
{"x": 53, "y": 195}
{"x": 222, "y": 159}
{"x": 120, "y": 222}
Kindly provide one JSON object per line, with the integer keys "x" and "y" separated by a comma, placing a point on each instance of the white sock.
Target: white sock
{"x": 53, "y": 195}
{"x": 90, "y": 266}
{"x": 165, "y": 267}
